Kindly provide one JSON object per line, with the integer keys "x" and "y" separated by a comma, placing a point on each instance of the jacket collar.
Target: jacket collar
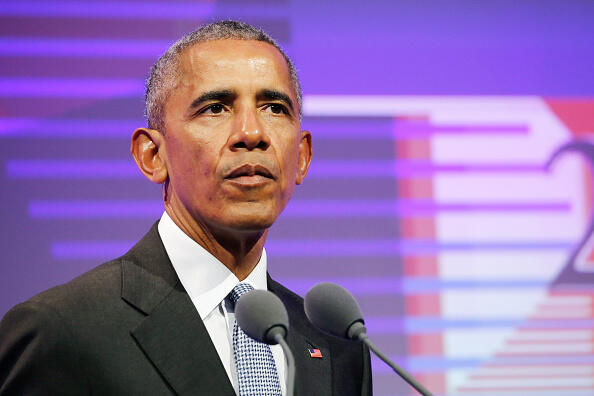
{"x": 172, "y": 336}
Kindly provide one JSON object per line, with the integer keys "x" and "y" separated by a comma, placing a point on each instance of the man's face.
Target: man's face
{"x": 233, "y": 145}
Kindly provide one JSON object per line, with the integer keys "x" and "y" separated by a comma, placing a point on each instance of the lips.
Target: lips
{"x": 250, "y": 170}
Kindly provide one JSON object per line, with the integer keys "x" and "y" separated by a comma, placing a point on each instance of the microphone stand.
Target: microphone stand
{"x": 278, "y": 337}
{"x": 403, "y": 374}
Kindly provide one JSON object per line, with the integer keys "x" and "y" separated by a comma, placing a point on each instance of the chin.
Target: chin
{"x": 249, "y": 225}
{"x": 252, "y": 219}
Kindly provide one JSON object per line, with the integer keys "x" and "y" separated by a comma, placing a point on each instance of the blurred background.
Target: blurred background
{"x": 428, "y": 197}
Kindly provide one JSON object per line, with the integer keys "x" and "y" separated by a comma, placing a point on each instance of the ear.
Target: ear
{"x": 148, "y": 150}
{"x": 305, "y": 154}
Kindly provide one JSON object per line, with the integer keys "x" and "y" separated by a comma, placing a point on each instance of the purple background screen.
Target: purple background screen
{"x": 71, "y": 93}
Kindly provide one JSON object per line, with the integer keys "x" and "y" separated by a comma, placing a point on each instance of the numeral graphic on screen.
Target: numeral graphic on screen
{"x": 582, "y": 258}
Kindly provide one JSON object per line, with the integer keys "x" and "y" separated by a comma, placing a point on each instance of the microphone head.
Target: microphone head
{"x": 261, "y": 315}
{"x": 333, "y": 309}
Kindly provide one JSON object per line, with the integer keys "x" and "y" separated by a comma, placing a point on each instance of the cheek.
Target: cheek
{"x": 190, "y": 163}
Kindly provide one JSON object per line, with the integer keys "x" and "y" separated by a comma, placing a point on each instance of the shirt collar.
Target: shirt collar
{"x": 206, "y": 280}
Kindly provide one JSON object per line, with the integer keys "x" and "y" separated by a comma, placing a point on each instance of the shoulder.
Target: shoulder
{"x": 43, "y": 340}
{"x": 101, "y": 282}
{"x": 99, "y": 290}
{"x": 40, "y": 338}
{"x": 54, "y": 342}
{"x": 63, "y": 336}
{"x": 55, "y": 313}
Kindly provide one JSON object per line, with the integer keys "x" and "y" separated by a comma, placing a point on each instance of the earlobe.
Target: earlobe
{"x": 305, "y": 155}
{"x": 148, "y": 149}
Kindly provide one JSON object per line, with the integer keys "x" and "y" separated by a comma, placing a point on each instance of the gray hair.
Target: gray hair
{"x": 165, "y": 72}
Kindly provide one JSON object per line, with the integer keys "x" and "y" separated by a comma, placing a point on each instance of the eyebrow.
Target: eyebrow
{"x": 227, "y": 95}
{"x": 222, "y": 95}
{"x": 271, "y": 94}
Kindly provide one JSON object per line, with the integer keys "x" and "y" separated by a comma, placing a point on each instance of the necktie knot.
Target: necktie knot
{"x": 239, "y": 290}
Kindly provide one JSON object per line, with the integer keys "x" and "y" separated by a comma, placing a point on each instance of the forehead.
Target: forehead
{"x": 233, "y": 63}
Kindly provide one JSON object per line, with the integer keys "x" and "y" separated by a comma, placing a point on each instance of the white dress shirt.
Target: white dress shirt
{"x": 208, "y": 283}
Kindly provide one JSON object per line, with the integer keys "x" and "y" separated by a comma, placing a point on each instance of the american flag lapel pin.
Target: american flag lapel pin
{"x": 315, "y": 353}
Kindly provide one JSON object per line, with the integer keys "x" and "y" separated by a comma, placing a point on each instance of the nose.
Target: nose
{"x": 248, "y": 132}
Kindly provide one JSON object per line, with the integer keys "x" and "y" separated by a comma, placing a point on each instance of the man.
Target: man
{"x": 223, "y": 138}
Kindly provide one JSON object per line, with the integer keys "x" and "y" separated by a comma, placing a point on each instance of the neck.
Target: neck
{"x": 239, "y": 251}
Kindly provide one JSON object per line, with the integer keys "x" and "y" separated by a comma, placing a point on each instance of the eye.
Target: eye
{"x": 277, "y": 108}
{"x": 215, "y": 108}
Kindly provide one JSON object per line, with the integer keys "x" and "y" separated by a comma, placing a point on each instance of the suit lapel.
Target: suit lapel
{"x": 175, "y": 340}
{"x": 172, "y": 335}
{"x": 313, "y": 376}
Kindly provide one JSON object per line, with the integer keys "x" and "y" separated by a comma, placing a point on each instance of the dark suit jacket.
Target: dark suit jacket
{"x": 128, "y": 327}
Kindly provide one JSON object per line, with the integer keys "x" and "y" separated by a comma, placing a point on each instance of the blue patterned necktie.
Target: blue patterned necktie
{"x": 256, "y": 370}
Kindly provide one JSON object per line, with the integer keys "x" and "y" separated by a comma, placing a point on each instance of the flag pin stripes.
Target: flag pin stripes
{"x": 315, "y": 353}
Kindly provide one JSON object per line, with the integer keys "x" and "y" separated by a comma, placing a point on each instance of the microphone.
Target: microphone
{"x": 262, "y": 316}
{"x": 333, "y": 309}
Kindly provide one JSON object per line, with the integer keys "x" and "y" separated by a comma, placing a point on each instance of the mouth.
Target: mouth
{"x": 250, "y": 174}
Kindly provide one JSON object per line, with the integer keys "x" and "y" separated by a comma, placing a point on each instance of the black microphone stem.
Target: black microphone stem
{"x": 403, "y": 374}
{"x": 290, "y": 363}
